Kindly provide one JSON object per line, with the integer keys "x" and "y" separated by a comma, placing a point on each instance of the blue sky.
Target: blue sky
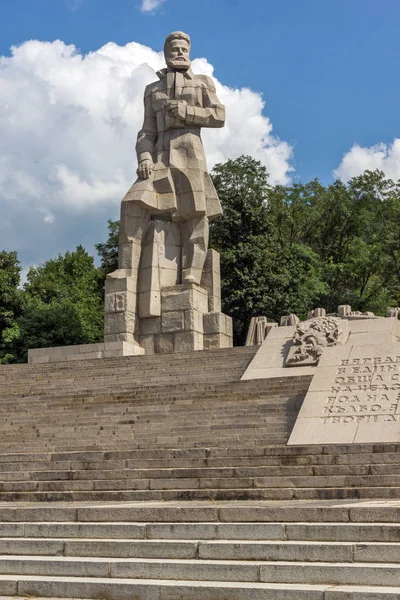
{"x": 327, "y": 71}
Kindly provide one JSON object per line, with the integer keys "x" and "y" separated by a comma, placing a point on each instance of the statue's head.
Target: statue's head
{"x": 177, "y": 51}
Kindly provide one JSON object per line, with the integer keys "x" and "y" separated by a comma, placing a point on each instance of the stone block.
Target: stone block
{"x": 150, "y": 304}
{"x": 184, "y": 297}
{"x": 317, "y": 312}
{"x": 122, "y": 280}
{"x": 150, "y": 326}
{"x": 92, "y": 355}
{"x": 147, "y": 259}
{"x": 344, "y": 310}
{"x": 211, "y": 280}
{"x": 173, "y": 321}
{"x": 379, "y": 337}
{"x": 35, "y": 360}
{"x": 85, "y": 348}
{"x": 164, "y": 343}
{"x": 188, "y": 341}
{"x": 147, "y": 343}
{"x": 70, "y": 357}
{"x": 63, "y": 350}
{"x": 289, "y": 320}
{"x": 112, "y": 353}
{"x": 120, "y": 302}
{"x": 149, "y": 279}
{"x": 168, "y": 277}
{"x": 119, "y": 323}
{"x": 216, "y": 340}
{"x": 129, "y": 253}
{"x": 193, "y": 321}
{"x": 118, "y": 337}
{"x": 217, "y": 323}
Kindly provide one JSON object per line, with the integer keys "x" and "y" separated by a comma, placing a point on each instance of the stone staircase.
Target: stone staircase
{"x": 166, "y": 478}
{"x": 179, "y": 427}
{"x": 199, "y": 551}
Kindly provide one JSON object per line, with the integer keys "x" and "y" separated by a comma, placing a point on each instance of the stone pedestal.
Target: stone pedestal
{"x": 185, "y": 323}
{"x": 155, "y": 312}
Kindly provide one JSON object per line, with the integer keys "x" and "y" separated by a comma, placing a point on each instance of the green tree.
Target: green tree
{"x": 64, "y": 303}
{"x": 11, "y": 303}
{"x": 108, "y": 251}
{"x": 354, "y": 230}
{"x": 262, "y": 274}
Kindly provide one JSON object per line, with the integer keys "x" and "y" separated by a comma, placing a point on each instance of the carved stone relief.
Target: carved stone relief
{"x": 312, "y": 337}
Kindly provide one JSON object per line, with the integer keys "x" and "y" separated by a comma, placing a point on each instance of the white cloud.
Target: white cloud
{"x": 150, "y": 5}
{"x": 385, "y": 157}
{"x": 68, "y": 125}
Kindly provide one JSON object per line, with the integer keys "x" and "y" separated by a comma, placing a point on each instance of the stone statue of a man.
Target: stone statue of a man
{"x": 165, "y": 296}
{"x": 173, "y": 183}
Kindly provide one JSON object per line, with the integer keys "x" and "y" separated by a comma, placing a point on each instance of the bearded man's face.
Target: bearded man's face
{"x": 177, "y": 55}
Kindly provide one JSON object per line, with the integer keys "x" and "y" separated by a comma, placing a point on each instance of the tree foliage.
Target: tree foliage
{"x": 62, "y": 304}
{"x": 11, "y": 302}
{"x": 108, "y": 250}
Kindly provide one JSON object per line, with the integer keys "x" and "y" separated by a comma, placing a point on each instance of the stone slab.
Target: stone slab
{"x": 270, "y": 359}
{"x": 271, "y": 356}
{"x": 82, "y": 352}
{"x": 353, "y": 398}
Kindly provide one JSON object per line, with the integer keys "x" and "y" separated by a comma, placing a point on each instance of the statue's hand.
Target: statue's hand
{"x": 144, "y": 169}
{"x": 177, "y": 109}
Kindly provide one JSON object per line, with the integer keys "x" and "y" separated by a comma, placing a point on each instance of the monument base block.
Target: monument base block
{"x": 83, "y": 352}
{"x": 185, "y": 323}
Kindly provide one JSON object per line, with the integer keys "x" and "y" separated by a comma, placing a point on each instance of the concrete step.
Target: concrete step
{"x": 206, "y": 483}
{"x": 183, "y": 569}
{"x": 335, "y": 532}
{"x": 197, "y": 473}
{"x": 370, "y": 574}
{"x": 299, "y": 513}
{"x": 229, "y": 550}
{"x": 122, "y": 589}
{"x": 218, "y": 494}
{"x": 337, "y": 550}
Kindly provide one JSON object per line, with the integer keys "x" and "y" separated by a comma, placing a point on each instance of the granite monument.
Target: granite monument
{"x": 165, "y": 295}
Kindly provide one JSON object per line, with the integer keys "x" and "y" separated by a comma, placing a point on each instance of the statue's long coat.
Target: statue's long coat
{"x": 179, "y": 184}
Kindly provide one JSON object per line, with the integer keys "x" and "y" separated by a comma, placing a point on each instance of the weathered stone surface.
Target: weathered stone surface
{"x": 289, "y": 320}
{"x": 187, "y": 341}
{"x": 150, "y": 326}
{"x": 216, "y": 340}
{"x": 184, "y": 297}
{"x": 83, "y": 352}
{"x": 312, "y": 337}
{"x": 258, "y": 330}
{"x": 271, "y": 357}
{"x": 217, "y": 323}
{"x": 164, "y": 226}
{"x": 164, "y": 343}
{"x": 173, "y": 321}
{"x": 193, "y": 321}
{"x": 353, "y": 399}
{"x": 211, "y": 280}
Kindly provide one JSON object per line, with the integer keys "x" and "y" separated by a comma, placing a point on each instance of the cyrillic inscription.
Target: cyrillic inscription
{"x": 365, "y": 389}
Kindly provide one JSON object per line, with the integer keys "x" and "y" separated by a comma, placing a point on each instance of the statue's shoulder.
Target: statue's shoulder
{"x": 151, "y": 88}
{"x": 205, "y": 81}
